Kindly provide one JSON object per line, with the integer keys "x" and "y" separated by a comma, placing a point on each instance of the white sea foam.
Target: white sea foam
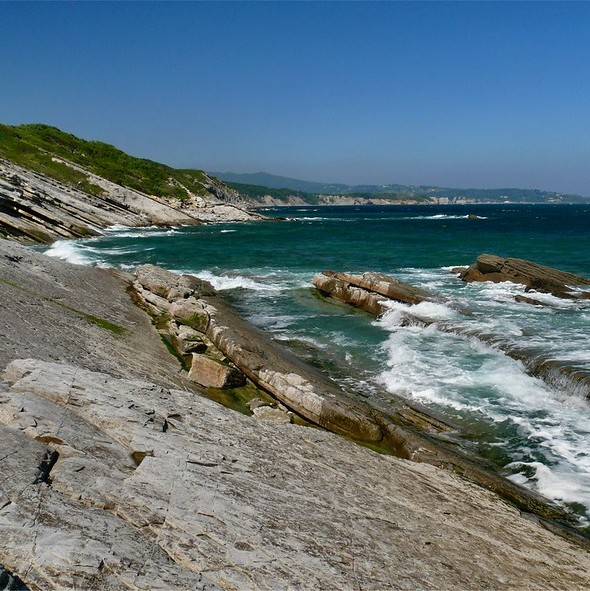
{"x": 120, "y": 231}
{"x": 69, "y": 251}
{"x": 227, "y": 231}
{"x": 222, "y": 282}
{"x": 466, "y": 376}
{"x": 424, "y": 311}
{"x": 440, "y": 216}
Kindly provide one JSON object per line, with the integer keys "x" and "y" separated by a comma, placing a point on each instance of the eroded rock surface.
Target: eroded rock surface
{"x": 154, "y": 488}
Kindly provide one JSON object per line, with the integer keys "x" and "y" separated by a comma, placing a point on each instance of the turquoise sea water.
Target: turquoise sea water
{"x": 537, "y": 432}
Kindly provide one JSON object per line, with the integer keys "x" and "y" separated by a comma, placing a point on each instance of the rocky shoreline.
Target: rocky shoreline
{"x": 371, "y": 292}
{"x": 37, "y": 208}
{"x": 120, "y": 472}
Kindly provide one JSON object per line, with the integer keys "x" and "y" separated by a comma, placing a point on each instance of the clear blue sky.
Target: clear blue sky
{"x": 452, "y": 94}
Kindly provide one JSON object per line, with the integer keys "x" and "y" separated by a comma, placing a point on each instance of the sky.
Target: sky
{"x": 465, "y": 94}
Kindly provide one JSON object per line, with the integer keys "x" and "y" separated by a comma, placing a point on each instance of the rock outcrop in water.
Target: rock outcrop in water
{"x": 372, "y": 291}
{"x": 533, "y": 276}
{"x": 369, "y": 291}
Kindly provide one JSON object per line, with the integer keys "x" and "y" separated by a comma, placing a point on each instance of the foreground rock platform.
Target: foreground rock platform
{"x": 154, "y": 488}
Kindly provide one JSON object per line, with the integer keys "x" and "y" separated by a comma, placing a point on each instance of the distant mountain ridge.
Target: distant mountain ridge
{"x": 273, "y": 181}
{"x": 422, "y": 193}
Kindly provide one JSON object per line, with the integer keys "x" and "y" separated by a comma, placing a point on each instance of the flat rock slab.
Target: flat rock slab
{"x": 158, "y": 489}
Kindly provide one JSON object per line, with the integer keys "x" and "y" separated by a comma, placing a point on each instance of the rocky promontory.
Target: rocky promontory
{"x": 37, "y": 208}
{"x": 534, "y": 277}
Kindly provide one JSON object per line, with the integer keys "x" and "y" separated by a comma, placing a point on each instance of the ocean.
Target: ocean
{"x": 537, "y": 432}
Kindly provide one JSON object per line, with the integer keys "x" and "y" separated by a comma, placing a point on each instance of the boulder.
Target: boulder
{"x": 369, "y": 291}
{"x": 188, "y": 340}
{"x": 212, "y": 373}
{"x": 385, "y": 285}
{"x": 190, "y": 312}
{"x": 275, "y": 415}
{"x": 345, "y": 292}
{"x": 171, "y": 286}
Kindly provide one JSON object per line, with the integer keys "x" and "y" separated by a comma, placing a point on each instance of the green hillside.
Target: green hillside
{"x": 35, "y": 146}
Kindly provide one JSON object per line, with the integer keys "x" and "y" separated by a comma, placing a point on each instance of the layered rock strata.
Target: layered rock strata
{"x": 231, "y": 342}
{"x": 369, "y": 291}
{"x": 533, "y": 276}
{"x": 37, "y": 208}
{"x": 151, "y": 488}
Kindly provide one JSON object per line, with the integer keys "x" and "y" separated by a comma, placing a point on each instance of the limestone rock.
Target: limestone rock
{"x": 385, "y": 285}
{"x": 369, "y": 291}
{"x": 189, "y": 340}
{"x": 227, "y": 502}
{"x": 191, "y": 313}
{"x": 162, "y": 282}
{"x": 275, "y": 415}
{"x": 211, "y": 373}
{"x": 349, "y": 294}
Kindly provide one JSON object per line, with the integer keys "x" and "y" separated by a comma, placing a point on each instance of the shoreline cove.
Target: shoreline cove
{"x": 34, "y": 273}
{"x": 488, "y": 394}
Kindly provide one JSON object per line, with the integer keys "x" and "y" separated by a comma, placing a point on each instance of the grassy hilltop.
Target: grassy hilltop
{"x": 39, "y": 147}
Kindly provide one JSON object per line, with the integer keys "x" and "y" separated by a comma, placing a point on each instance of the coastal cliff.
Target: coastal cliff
{"x": 54, "y": 185}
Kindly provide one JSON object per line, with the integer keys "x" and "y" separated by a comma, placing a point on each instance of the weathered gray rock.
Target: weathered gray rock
{"x": 216, "y": 500}
{"x": 533, "y": 276}
{"x": 188, "y": 340}
{"x": 161, "y": 282}
{"x": 211, "y": 373}
{"x": 53, "y": 310}
{"x": 275, "y": 415}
